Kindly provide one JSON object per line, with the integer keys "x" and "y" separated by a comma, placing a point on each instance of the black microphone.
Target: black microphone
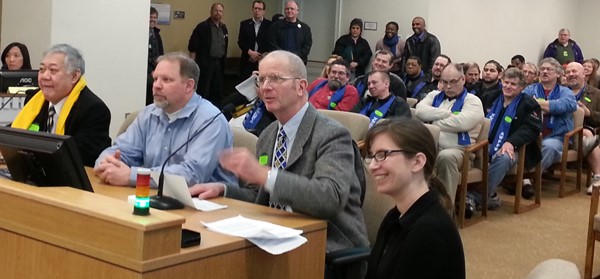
{"x": 168, "y": 203}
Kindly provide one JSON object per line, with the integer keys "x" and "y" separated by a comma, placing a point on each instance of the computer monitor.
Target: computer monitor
{"x": 43, "y": 159}
{"x": 18, "y": 78}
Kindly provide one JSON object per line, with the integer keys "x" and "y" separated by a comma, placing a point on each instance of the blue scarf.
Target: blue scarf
{"x": 554, "y": 95}
{"x": 254, "y": 115}
{"x": 419, "y": 85}
{"x": 337, "y": 96}
{"x": 360, "y": 87}
{"x": 580, "y": 94}
{"x": 391, "y": 43}
{"x": 378, "y": 113}
{"x": 506, "y": 118}
{"x": 463, "y": 137}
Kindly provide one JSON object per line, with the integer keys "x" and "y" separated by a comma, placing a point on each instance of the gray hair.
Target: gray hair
{"x": 515, "y": 73}
{"x": 295, "y": 64}
{"x": 73, "y": 59}
{"x": 534, "y": 67}
{"x": 564, "y": 30}
{"x": 187, "y": 67}
{"x": 557, "y": 67}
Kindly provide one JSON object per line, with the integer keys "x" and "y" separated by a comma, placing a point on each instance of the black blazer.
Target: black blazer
{"x": 200, "y": 42}
{"x": 246, "y": 40}
{"x": 88, "y": 123}
{"x": 278, "y": 37}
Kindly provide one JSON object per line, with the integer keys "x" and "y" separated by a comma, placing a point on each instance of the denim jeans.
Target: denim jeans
{"x": 551, "y": 151}
{"x": 500, "y": 165}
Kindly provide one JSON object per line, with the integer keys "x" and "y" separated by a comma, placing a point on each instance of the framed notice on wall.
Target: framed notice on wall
{"x": 164, "y": 13}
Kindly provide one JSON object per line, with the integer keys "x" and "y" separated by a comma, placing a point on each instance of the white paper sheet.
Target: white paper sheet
{"x": 270, "y": 237}
{"x": 176, "y": 187}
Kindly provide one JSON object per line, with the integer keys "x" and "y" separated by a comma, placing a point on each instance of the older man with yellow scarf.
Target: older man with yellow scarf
{"x": 65, "y": 105}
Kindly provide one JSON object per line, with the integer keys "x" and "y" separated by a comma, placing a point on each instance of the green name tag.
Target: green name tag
{"x": 456, "y": 112}
{"x": 263, "y": 160}
{"x": 565, "y": 53}
{"x": 378, "y": 113}
{"x": 333, "y": 105}
{"x": 508, "y": 119}
{"x": 34, "y": 127}
{"x": 587, "y": 99}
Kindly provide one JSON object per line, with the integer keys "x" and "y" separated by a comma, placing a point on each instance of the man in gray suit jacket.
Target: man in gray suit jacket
{"x": 321, "y": 174}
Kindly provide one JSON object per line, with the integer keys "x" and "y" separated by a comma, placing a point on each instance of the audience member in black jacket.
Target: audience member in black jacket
{"x": 382, "y": 62}
{"x": 382, "y": 103}
{"x": 354, "y": 49}
{"x": 515, "y": 122}
{"x": 422, "y": 44}
{"x": 253, "y": 44}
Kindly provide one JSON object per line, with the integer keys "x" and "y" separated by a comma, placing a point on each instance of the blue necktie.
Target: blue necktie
{"x": 280, "y": 150}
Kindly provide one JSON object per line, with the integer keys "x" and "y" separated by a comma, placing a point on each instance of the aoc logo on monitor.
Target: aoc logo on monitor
{"x": 25, "y": 81}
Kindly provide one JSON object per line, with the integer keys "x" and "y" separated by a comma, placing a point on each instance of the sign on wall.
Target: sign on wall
{"x": 164, "y": 13}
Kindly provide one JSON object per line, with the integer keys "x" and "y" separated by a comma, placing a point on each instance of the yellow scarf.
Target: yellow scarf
{"x": 30, "y": 111}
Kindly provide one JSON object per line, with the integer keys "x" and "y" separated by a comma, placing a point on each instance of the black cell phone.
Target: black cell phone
{"x": 189, "y": 238}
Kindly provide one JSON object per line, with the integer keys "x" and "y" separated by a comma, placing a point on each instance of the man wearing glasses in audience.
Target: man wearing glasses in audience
{"x": 459, "y": 116}
{"x": 558, "y": 104}
{"x": 307, "y": 163}
{"x": 334, "y": 92}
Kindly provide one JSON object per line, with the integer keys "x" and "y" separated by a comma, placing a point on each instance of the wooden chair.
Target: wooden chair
{"x": 518, "y": 173}
{"x": 593, "y": 232}
{"x": 572, "y": 156}
{"x": 478, "y": 174}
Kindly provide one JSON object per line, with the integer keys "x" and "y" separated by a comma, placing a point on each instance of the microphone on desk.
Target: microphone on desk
{"x": 163, "y": 202}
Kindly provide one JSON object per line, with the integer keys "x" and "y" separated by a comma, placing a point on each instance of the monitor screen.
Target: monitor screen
{"x": 18, "y": 78}
{"x": 43, "y": 159}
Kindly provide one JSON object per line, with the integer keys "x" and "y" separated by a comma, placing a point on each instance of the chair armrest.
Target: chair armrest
{"x": 476, "y": 147}
{"x": 346, "y": 256}
{"x": 573, "y": 132}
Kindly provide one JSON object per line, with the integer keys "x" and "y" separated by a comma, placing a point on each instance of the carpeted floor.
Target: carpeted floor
{"x": 507, "y": 245}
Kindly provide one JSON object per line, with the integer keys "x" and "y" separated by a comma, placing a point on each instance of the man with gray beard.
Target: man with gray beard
{"x": 178, "y": 116}
{"x": 334, "y": 92}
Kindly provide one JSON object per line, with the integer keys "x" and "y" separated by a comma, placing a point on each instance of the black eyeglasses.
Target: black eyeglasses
{"x": 382, "y": 155}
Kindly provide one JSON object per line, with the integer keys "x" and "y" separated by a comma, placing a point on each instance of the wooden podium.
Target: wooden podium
{"x": 62, "y": 232}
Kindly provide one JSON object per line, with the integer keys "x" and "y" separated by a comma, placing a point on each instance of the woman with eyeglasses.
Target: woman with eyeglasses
{"x": 417, "y": 238}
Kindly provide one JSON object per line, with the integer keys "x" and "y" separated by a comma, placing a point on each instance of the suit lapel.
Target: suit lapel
{"x": 302, "y": 135}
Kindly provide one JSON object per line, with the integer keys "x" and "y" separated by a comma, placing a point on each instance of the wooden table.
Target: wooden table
{"x": 61, "y": 232}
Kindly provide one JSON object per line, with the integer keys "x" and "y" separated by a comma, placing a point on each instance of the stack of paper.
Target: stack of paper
{"x": 272, "y": 238}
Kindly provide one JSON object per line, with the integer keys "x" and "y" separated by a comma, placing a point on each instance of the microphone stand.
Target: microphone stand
{"x": 163, "y": 202}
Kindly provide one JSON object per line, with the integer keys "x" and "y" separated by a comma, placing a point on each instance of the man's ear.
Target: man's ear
{"x": 75, "y": 76}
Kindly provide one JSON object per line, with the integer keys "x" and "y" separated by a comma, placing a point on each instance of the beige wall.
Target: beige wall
{"x": 176, "y": 35}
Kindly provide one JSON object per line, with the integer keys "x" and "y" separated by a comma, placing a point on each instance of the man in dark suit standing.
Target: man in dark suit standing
{"x": 208, "y": 47}
{"x": 65, "y": 105}
{"x": 421, "y": 44}
{"x": 301, "y": 166}
{"x": 253, "y": 39}
{"x": 291, "y": 34}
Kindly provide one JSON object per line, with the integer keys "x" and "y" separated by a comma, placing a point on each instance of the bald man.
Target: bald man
{"x": 588, "y": 98}
{"x": 421, "y": 44}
